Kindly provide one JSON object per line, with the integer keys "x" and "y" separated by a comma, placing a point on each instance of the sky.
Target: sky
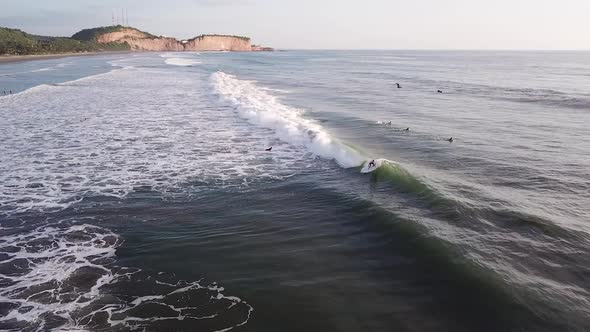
{"x": 328, "y": 24}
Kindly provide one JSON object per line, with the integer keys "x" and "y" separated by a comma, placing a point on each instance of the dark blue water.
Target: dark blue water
{"x": 135, "y": 192}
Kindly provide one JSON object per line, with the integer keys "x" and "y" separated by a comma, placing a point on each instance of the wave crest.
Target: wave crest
{"x": 261, "y": 108}
{"x": 183, "y": 62}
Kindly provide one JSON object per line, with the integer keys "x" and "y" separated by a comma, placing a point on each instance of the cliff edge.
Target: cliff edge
{"x": 143, "y": 41}
{"x": 218, "y": 43}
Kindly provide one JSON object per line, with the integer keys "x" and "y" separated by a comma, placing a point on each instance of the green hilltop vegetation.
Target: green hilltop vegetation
{"x": 90, "y": 35}
{"x": 17, "y": 42}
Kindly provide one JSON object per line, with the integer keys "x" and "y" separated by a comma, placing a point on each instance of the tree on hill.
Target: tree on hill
{"x": 17, "y": 42}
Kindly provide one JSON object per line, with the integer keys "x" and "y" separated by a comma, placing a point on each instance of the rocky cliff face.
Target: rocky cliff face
{"x": 153, "y": 44}
{"x": 218, "y": 43}
{"x": 117, "y": 36}
{"x": 142, "y": 41}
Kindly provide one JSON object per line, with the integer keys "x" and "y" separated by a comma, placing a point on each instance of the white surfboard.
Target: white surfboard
{"x": 378, "y": 163}
{"x": 367, "y": 169}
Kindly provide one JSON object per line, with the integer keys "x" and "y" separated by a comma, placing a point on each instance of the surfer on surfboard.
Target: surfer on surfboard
{"x": 372, "y": 163}
{"x": 269, "y": 149}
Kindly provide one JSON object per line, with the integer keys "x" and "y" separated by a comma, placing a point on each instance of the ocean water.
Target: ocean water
{"x": 136, "y": 192}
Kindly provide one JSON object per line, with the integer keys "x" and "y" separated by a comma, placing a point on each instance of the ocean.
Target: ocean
{"x": 136, "y": 192}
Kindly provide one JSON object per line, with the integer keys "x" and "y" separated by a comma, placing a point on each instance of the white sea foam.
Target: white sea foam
{"x": 50, "y": 68}
{"x": 65, "y": 277}
{"x": 169, "y": 55}
{"x": 289, "y": 124}
{"x": 43, "y": 69}
{"x": 111, "y": 133}
{"x": 185, "y": 62}
{"x": 179, "y": 54}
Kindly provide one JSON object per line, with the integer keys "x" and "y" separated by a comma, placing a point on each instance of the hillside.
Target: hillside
{"x": 143, "y": 41}
{"x": 117, "y": 38}
{"x": 17, "y": 42}
{"x": 93, "y": 34}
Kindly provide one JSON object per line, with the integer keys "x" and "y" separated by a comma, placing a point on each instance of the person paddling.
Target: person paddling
{"x": 269, "y": 149}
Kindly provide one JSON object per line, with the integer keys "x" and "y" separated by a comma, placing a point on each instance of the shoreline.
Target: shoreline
{"x": 33, "y": 57}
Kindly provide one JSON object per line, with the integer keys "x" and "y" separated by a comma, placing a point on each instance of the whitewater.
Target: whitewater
{"x": 118, "y": 144}
{"x": 137, "y": 192}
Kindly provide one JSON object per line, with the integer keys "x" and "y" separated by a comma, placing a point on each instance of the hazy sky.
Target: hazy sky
{"x": 332, "y": 24}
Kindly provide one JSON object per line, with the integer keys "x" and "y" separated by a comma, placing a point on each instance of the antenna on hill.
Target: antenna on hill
{"x": 127, "y": 16}
{"x": 113, "y": 17}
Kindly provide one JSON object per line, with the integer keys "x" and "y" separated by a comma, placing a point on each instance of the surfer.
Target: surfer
{"x": 398, "y": 86}
{"x": 439, "y": 91}
{"x": 269, "y": 149}
{"x": 450, "y": 140}
{"x": 372, "y": 164}
{"x": 407, "y": 129}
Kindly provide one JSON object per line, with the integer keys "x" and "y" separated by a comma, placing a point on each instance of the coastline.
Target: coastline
{"x": 32, "y": 57}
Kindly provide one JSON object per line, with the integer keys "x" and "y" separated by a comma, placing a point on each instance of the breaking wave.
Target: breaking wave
{"x": 184, "y": 62}
{"x": 43, "y": 69}
{"x": 260, "y": 108}
{"x": 126, "y": 138}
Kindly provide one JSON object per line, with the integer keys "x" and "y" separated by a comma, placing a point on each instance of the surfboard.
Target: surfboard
{"x": 366, "y": 169}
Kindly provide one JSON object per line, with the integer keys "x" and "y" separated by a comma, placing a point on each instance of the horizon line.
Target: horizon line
{"x": 437, "y": 49}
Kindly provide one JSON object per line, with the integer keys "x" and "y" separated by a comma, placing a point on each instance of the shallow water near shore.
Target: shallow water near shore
{"x": 135, "y": 192}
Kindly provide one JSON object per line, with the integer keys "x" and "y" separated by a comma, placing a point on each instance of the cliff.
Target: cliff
{"x": 218, "y": 43}
{"x": 139, "y": 40}
{"x": 139, "y": 43}
{"x": 136, "y": 39}
{"x": 117, "y": 38}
